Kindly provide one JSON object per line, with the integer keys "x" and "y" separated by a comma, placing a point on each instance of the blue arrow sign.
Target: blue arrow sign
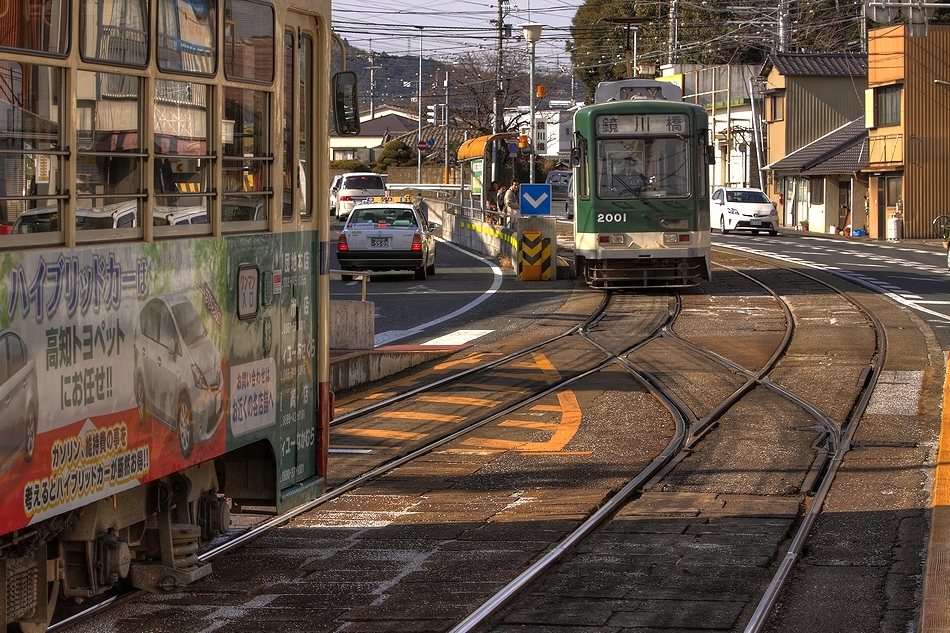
{"x": 535, "y": 199}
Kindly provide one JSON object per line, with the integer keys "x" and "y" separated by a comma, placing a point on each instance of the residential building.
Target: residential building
{"x": 807, "y": 96}
{"x": 908, "y": 97}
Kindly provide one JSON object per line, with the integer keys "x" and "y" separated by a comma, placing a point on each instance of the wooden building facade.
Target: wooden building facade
{"x": 907, "y": 113}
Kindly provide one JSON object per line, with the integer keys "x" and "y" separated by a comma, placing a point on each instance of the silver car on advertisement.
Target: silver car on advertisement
{"x": 177, "y": 371}
{"x": 19, "y": 400}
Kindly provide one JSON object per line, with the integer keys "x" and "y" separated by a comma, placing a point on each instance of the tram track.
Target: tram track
{"x": 690, "y": 427}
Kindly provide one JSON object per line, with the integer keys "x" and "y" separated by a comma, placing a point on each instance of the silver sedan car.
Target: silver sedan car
{"x": 383, "y": 235}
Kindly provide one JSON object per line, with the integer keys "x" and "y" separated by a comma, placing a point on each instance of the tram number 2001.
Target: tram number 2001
{"x": 611, "y": 217}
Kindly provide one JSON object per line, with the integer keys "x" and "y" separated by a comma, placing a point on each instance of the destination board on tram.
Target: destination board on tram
{"x": 641, "y": 124}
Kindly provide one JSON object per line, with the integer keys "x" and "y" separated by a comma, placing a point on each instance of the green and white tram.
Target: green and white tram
{"x": 164, "y": 282}
{"x": 641, "y": 193}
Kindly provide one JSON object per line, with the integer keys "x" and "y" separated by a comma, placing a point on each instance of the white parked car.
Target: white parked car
{"x": 743, "y": 210}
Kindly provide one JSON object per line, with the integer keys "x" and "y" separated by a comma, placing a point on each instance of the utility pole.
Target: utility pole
{"x": 674, "y": 32}
{"x": 783, "y": 26}
{"x": 445, "y": 174}
{"x": 372, "y": 81}
{"x": 497, "y": 115}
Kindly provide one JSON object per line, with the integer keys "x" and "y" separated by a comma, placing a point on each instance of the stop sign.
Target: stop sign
{"x": 422, "y": 146}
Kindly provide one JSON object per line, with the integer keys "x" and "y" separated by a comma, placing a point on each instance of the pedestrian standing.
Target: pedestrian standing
{"x": 513, "y": 201}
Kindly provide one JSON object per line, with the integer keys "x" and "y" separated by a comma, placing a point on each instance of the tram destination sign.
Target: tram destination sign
{"x": 641, "y": 124}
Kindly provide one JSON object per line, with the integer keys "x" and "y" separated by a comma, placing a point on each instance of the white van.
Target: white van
{"x": 46, "y": 219}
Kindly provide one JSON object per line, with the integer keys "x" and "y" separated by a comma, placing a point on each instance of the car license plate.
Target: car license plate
{"x": 379, "y": 242}
{"x": 756, "y": 222}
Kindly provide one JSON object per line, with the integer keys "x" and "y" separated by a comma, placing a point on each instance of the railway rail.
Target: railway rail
{"x": 573, "y": 479}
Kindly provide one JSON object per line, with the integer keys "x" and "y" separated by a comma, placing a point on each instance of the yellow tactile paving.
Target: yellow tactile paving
{"x": 935, "y": 610}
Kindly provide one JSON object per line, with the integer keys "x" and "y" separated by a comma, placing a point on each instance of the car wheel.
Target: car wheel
{"x": 430, "y": 269}
{"x": 755, "y": 232}
{"x": 185, "y": 428}
{"x": 948, "y": 258}
{"x": 421, "y": 272}
{"x": 140, "y": 399}
{"x": 30, "y": 439}
{"x": 773, "y": 233}
{"x": 722, "y": 225}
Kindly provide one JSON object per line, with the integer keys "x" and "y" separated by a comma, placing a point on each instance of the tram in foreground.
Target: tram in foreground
{"x": 164, "y": 283}
{"x": 641, "y": 195}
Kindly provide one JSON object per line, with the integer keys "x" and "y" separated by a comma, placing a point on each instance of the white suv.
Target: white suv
{"x": 357, "y": 187}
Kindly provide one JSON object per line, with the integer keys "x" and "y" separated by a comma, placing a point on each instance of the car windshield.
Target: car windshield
{"x": 388, "y": 216}
{"x": 369, "y": 181}
{"x": 192, "y": 330}
{"x": 747, "y": 196}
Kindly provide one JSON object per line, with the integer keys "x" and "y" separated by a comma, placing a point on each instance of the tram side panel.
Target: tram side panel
{"x": 138, "y": 379}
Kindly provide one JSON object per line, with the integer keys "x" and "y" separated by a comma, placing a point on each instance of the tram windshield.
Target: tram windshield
{"x": 635, "y": 168}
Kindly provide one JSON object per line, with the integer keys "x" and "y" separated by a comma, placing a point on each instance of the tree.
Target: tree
{"x": 395, "y": 154}
{"x": 350, "y": 165}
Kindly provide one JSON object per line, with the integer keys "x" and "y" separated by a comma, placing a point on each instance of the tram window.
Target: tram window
{"x": 114, "y": 32}
{"x": 304, "y": 128}
{"x": 186, "y": 36}
{"x": 109, "y": 175}
{"x": 249, "y": 41}
{"x": 30, "y": 174}
{"x": 289, "y": 114}
{"x": 37, "y": 25}
{"x": 245, "y": 161}
{"x": 183, "y": 165}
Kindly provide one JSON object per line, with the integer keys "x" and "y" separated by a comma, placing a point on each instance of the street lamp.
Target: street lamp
{"x": 532, "y": 33}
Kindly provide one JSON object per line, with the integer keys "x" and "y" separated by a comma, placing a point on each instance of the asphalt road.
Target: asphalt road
{"x": 912, "y": 272}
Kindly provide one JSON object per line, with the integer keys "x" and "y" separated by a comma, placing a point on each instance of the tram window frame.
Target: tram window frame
{"x": 231, "y": 26}
{"x": 304, "y": 191}
{"x": 35, "y": 150}
{"x": 189, "y": 55}
{"x": 255, "y": 166}
{"x": 288, "y": 175}
{"x": 185, "y": 209}
{"x": 93, "y": 29}
{"x": 28, "y": 26}
{"x": 118, "y": 154}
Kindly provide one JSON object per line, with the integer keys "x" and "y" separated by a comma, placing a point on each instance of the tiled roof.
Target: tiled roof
{"x": 819, "y": 64}
{"x": 392, "y": 123}
{"x": 841, "y": 151}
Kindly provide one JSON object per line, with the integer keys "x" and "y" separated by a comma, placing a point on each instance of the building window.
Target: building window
{"x": 893, "y": 187}
{"x": 887, "y": 106}
{"x": 816, "y": 190}
{"x": 776, "y": 107}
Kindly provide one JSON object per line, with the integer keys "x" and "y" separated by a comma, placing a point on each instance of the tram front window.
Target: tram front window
{"x": 633, "y": 168}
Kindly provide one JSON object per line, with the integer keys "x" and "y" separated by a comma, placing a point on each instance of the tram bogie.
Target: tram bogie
{"x": 641, "y": 199}
{"x": 159, "y": 375}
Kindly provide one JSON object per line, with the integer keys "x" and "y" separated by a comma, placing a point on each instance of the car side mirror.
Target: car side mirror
{"x": 346, "y": 109}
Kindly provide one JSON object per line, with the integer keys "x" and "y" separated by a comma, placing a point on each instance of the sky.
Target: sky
{"x": 454, "y": 27}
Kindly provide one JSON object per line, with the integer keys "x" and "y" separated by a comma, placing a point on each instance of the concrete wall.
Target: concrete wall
{"x": 472, "y": 234}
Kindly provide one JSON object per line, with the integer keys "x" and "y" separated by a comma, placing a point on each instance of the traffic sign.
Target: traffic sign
{"x": 423, "y": 146}
{"x": 513, "y": 148}
{"x": 535, "y": 199}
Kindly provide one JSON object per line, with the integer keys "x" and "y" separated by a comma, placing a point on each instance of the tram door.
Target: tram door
{"x": 298, "y": 95}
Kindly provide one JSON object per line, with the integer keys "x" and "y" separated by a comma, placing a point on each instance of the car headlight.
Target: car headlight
{"x": 200, "y": 381}
{"x": 774, "y": 211}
